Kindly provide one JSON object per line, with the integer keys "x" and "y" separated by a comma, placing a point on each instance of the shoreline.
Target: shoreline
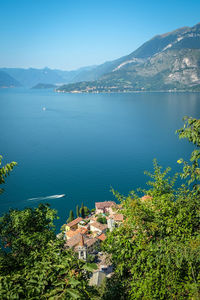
{"x": 128, "y": 92}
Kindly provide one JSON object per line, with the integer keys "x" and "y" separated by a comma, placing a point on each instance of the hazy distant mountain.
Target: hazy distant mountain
{"x": 40, "y": 86}
{"x": 168, "y": 61}
{"x": 7, "y": 80}
{"x": 31, "y": 77}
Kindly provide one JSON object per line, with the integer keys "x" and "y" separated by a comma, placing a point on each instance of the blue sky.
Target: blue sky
{"x": 68, "y": 34}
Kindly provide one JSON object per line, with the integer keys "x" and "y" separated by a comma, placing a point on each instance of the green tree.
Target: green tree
{"x": 86, "y": 210}
{"x": 82, "y": 211}
{"x": 156, "y": 251}
{"x": 191, "y": 171}
{"x": 71, "y": 216}
{"x": 77, "y": 211}
{"x": 34, "y": 263}
{"x": 102, "y": 220}
{"x": 5, "y": 171}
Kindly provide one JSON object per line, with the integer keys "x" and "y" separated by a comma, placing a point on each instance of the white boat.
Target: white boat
{"x": 47, "y": 197}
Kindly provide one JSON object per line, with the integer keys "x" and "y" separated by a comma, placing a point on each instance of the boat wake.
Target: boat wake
{"x": 46, "y": 197}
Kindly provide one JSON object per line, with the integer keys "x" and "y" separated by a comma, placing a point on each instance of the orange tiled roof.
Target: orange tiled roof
{"x": 82, "y": 230}
{"x": 74, "y": 240}
{"x": 72, "y": 233}
{"x": 90, "y": 242}
{"x": 81, "y": 243}
{"x": 74, "y": 222}
{"x": 102, "y": 237}
{"x": 99, "y": 225}
{"x": 102, "y": 205}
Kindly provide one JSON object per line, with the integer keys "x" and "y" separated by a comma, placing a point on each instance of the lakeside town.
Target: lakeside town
{"x": 85, "y": 235}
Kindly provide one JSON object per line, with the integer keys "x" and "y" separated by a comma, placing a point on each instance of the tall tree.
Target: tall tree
{"x": 82, "y": 211}
{"x": 71, "y": 216}
{"x": 77, "y": 211}
{"x": 86, "y": 211}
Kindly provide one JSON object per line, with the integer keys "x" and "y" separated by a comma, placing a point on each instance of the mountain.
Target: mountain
{"x": 7, "y": 81}
{"x": 31, "y": 77}
{"x": 169, "y": 61}
{"x": 40, "y": 86}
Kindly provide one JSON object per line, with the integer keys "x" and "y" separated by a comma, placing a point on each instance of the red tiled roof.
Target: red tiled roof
{"x": 72, "y": 233}
{"x": 82, "y": 230}
{"x": 90, "y": 242}
{"x": 102, "y": 237}
{"x": 81, "y": 243}
{"x": 74, "y": 240}
{"x": 74, "y": 222}
{"x": 99, "y": 225}
{"x": 101, "y": 205}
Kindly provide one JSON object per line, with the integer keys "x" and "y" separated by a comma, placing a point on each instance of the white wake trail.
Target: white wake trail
{"x": 46, "y": 197}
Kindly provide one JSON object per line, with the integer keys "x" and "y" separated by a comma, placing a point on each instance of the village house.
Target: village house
{"x": 73, "y": 241}
{"x": 91, "y": 244}
{"x": 98, "y": 228}
{"x": 73, "y": 225}
{"x": 111, "y": 224}
{"x": 69, "y": 234}
{"x": 104, "y": 207}
{"x": 82, "y": 244}
{"x": 101, "y": 237}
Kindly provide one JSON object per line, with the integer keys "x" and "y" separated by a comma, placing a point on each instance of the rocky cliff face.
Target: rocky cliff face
{"x": 168, "y": 61}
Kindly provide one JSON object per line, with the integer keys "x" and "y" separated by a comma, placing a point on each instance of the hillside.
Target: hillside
{"x": 7, "y": 80}
{"x": 166, "y": 62}
{"x": 40, "y": 86}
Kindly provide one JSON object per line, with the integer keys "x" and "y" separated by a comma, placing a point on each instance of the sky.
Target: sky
{"x": 69, "y": 34}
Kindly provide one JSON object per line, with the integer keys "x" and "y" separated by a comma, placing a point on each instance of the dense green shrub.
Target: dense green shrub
{"x": 156, "y": 252}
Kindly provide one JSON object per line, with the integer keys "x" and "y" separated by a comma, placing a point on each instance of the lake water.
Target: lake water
{"x": 81, "y": 145}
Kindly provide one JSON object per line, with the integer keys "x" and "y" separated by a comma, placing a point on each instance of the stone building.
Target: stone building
{"x": 104, "y": 207}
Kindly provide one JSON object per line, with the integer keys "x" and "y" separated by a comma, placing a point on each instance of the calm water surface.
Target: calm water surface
{"x": 81, "y": 145}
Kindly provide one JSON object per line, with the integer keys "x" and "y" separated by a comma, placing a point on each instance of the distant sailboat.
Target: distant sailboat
{"x": 44, "y": 108}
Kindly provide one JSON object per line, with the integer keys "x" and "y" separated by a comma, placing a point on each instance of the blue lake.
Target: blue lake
{"x": 81, "y": 145}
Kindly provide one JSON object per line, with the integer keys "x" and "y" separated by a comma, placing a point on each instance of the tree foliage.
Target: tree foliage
{"x": 102, "y": 219}
{"x": 156, "y": 252}
{"x": 71, "y": 216}
{"x": 82, "y": 211}
{"x": 5, "y": 171}
{"x": 191, "y": 171}
{"x": 34, "y": 263}
{"x": 77, "y": 211}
